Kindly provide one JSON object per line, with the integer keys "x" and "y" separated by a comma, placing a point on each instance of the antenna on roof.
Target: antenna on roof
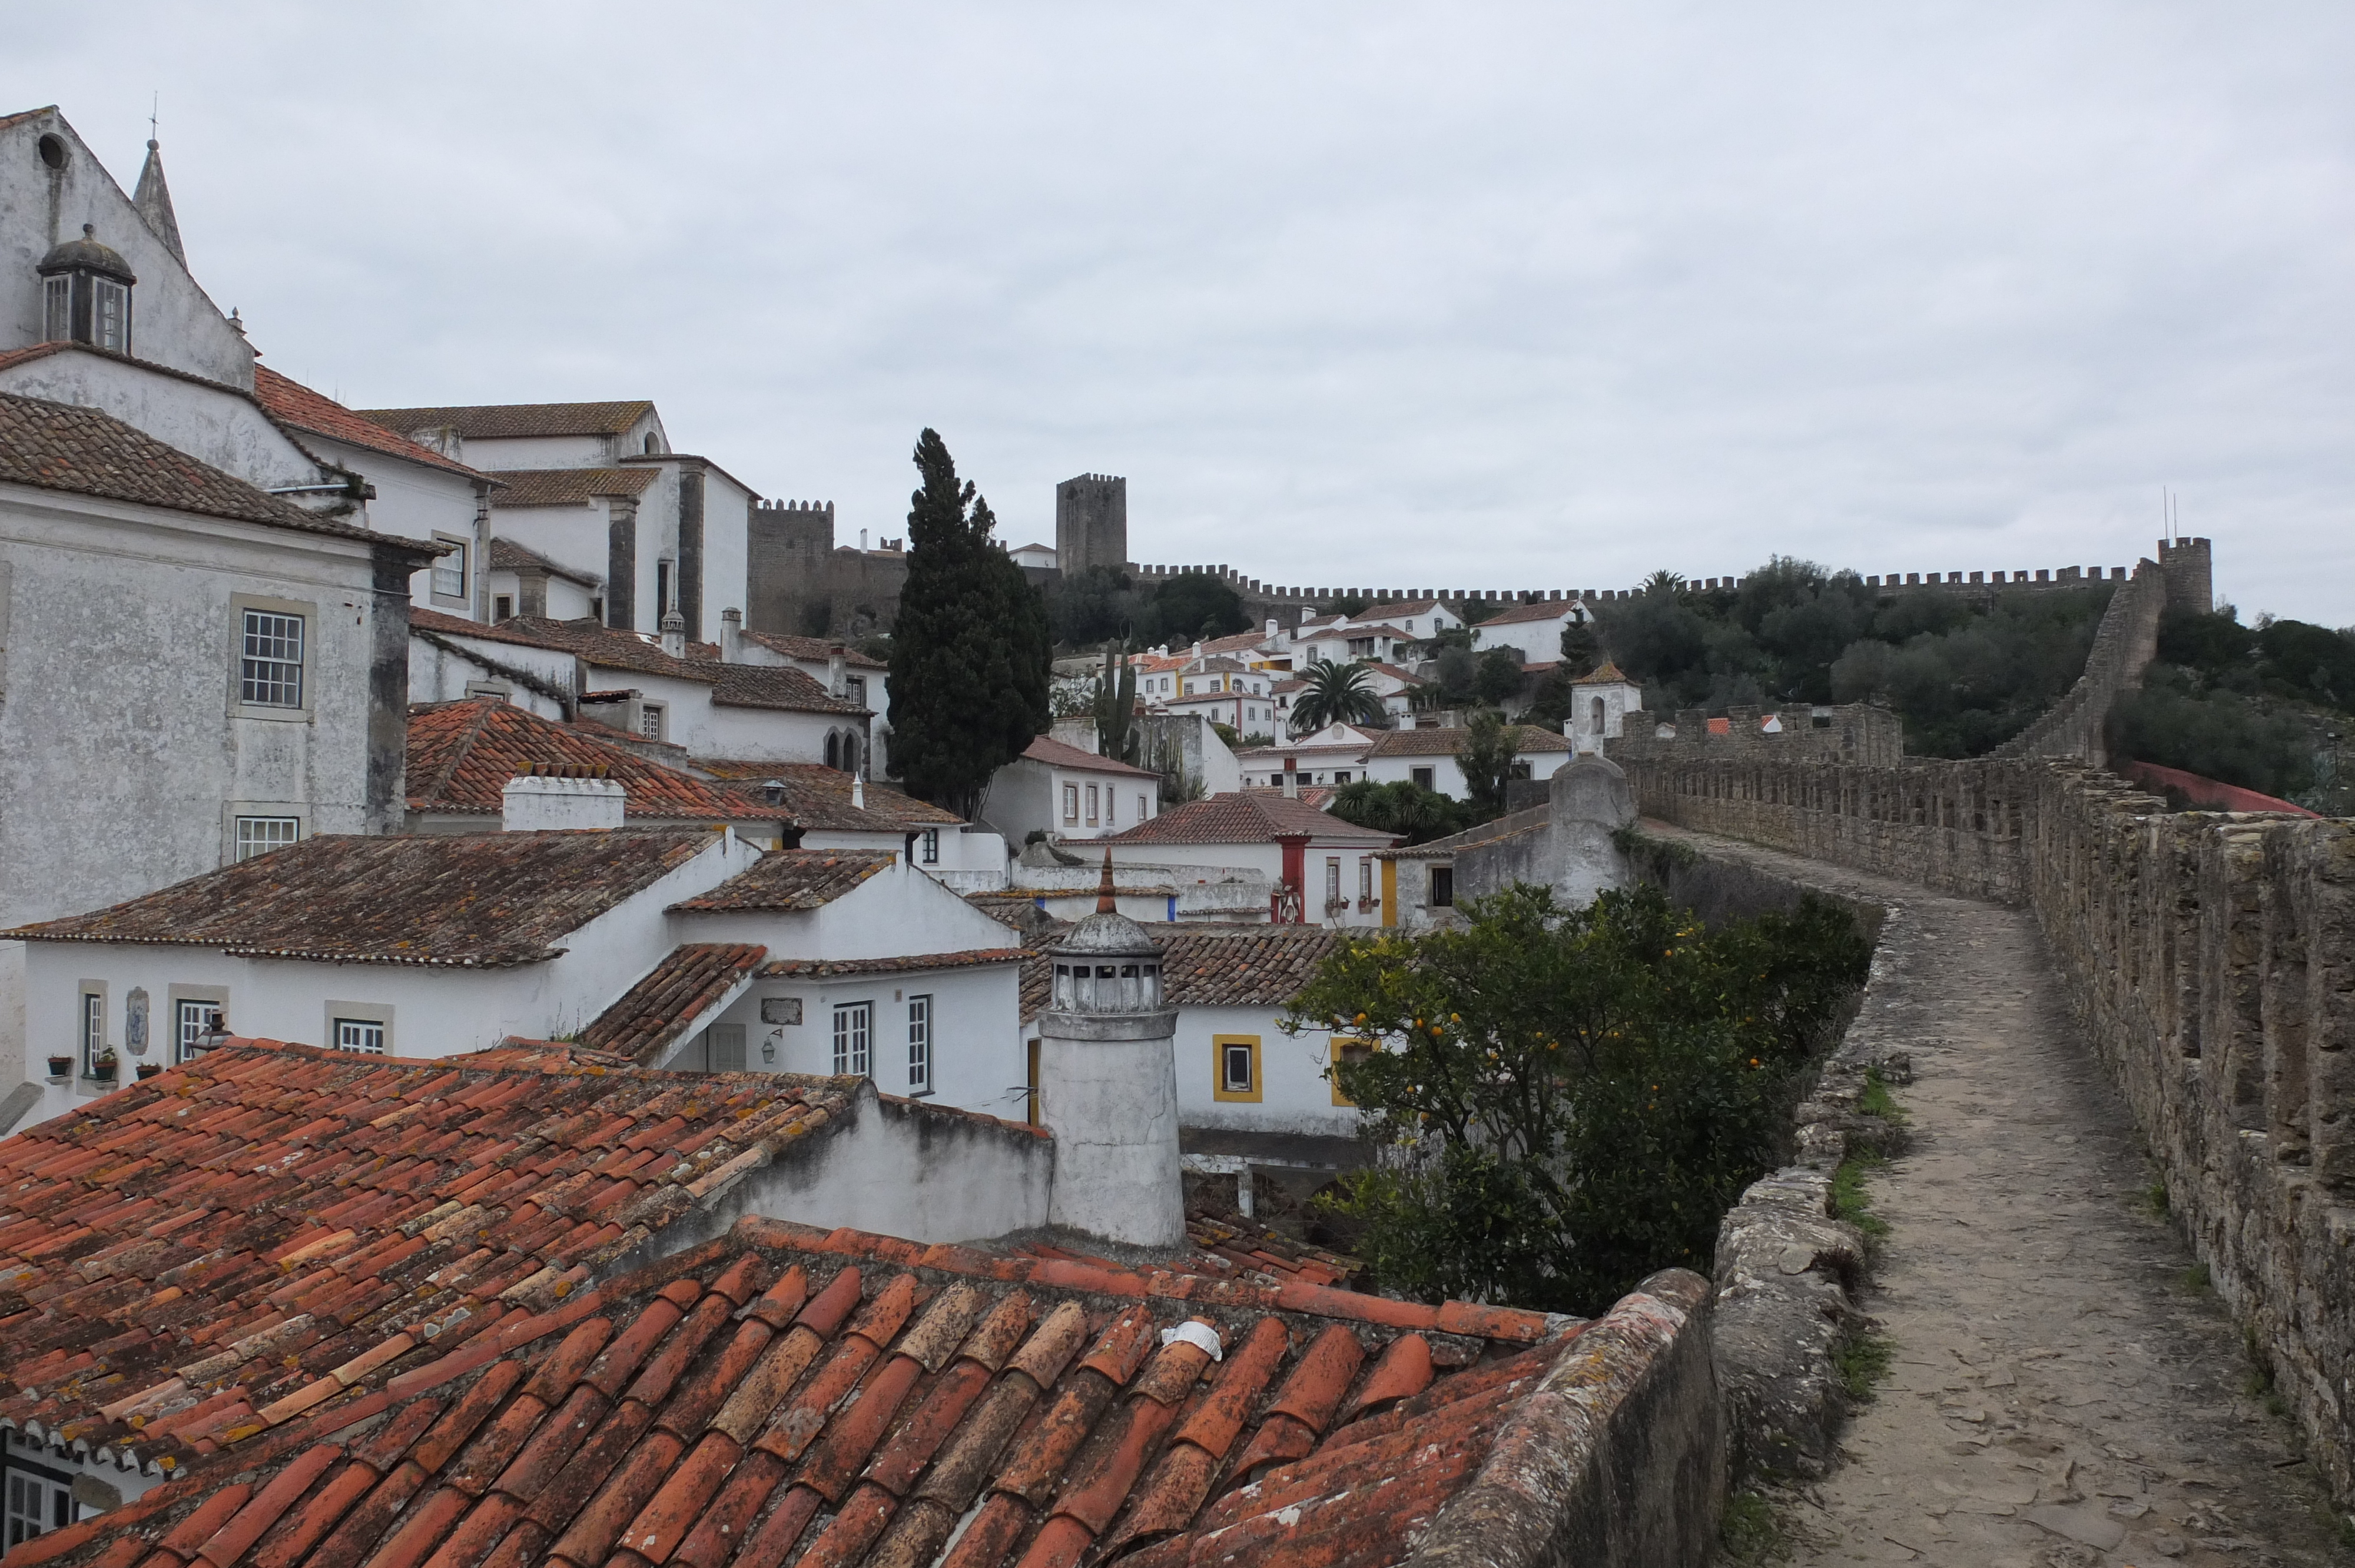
{"x": 155, "y": 106}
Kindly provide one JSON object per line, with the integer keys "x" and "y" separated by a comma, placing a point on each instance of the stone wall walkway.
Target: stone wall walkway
{"x": 2063, "y": 1391}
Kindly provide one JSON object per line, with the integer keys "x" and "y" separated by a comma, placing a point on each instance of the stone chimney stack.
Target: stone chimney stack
{"x": 732, "y": 637}
{"x": 674, "y": 635}
{"x": 561, "y": 800}
{"x": 1108, "y": 1082}
{"x": 835, "y": 682}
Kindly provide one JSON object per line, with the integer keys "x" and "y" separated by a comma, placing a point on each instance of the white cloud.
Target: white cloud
{"x": 1383, "y": 295}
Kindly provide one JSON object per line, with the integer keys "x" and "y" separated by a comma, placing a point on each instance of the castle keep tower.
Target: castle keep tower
{"x": 1108, "y": 1082}
{"x": 1091, "y": 522}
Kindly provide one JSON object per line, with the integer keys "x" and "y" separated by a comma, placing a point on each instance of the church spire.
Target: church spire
{"x": 154, "y": 200}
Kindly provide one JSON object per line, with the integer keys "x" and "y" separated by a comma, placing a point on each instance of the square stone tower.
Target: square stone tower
{"x": 1091, "y": 522}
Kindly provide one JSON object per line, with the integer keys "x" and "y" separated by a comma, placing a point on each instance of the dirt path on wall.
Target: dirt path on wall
{"x": 2060, "y": 1392}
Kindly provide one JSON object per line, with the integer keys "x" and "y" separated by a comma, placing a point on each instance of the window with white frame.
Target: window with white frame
{"x": 929, "y": 846}
{"x": 260, "y": 836}
{"x": 110, "y": 316}
{"x": 1091, "y": 806}
{"x": 57, "y": 310}
{"x": 1111, "y": 806}
{"x": 37, "y": 1503}
{"x": 1365, "y": 879}
{"x": 1140, "y": 808}
{"x": 270, "y": 671}
{"x": 360, "y": 1034}
{"x": 192, "y": 1020}
{"x": 450, "y": 570}
{"x": 853, "y": 687}
{"x": 650, "y": 720}
{"x": 93, "y": 1030}
{"x": 1071, "y": 802}
{"x": 854, "y": 1032}
{"x": 1332, "y": 879}
{"x": 920, "y": 1044}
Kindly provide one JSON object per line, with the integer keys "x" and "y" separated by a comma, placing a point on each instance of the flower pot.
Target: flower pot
{"x": 149, "y": 1069}
{"x": 61, "y": 1067}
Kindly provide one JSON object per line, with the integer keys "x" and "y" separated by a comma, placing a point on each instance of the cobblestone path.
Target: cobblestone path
{"x": 2063, "y": 1390}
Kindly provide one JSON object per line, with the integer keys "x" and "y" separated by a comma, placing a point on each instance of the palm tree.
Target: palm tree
{"x": 1337, "y": 694}
{"x": 1662, "y": 581}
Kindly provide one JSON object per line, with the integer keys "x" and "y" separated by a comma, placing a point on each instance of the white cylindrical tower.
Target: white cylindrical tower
{"x": 1108, "y": 1082}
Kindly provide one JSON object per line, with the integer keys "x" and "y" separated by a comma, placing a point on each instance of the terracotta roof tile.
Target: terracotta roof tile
{"x": 1428, "y": 740}
{"x": 1543, "y": 610}
{"x": 474, "y": 899}
{"x": 292, "y": 403}
{"x": 569, "y": 486}
{"x": 506, "y": 555}
{"x": 54, "y": 446}
{"x": 1046, "y": 748}
{"x": 609, "y": 648}
{"x": 790, "y": 969}
{"x": 819, "y": 797}
{"x": 817, "y": 649}
{"x": 692, "y": 979}
{"x": 461, "y": 753}
{"x": 793, "y": 879}
{"x": 496, "y": 421}
{"x": 1244, "y": 818}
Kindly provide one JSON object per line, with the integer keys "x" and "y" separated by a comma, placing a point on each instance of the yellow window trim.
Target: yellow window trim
{"x": 1219, "y": 1090}
{"x": 1341, "y": 1044}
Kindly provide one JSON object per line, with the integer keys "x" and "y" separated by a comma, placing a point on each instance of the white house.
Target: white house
{"x": 1237, "y": 1071}
{"x": 1334, "y": 754}
{"x": 1532, "y": 631}
{"x": 1225, "y": 690}
{"x": 439, "y": 944}
{"x": 1345, "y": 642}
{"x": 1412, "y": 753}
{"x": 1324, "y": 863}
{"x": 1421, "y": 619}
{"x": 524, "y": 582}
{"x": 1033, "y": 558}
{"x": 834, "y": 809}
{"x": 1068, "y": 793}
{"x": 597, "y": 489}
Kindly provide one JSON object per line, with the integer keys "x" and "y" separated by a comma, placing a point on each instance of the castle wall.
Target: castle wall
{"x": 2210, "y": 959}
{"x": 800, "y": 585}
{"x": 1091, "y": 522}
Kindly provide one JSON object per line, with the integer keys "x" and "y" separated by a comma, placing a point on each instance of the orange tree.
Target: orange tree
{"x": 1570, "y": 1098}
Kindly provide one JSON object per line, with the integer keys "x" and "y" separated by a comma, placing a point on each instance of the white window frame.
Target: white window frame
{"x": 650, "y": 721}
{"x": 57, "y": 309}
{"x": 363, "y": 1035}
{"x": 442, "y": 568}
{"x": 1071, "y": 802}
{"x": 36, "y": 1499}
{"x": 106, "y": 293}
{"x": 89, "y": 1026}
{"x": 920, "y": 1044}
{"x": 1094, "y": 806}
{"x": 854, "y": 1038}
{"x": 192, "y": 1018}
{"x": 1143, "y": 811}
{"x": 366, "y": 1015}
{"x": 253, "y": 835}
{"x": 263, "y": 665}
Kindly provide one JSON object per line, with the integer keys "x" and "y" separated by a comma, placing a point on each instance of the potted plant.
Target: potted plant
{"x": 149, "y": 1069}
{"x": 103, "y": 1069}
{"x": 61, "y": 1067}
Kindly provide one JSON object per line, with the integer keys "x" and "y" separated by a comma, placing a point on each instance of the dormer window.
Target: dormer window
{"x": 86, "y": 294}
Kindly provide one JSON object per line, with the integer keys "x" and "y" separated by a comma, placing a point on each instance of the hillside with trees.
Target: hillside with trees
{"x": 2268, "y": 707}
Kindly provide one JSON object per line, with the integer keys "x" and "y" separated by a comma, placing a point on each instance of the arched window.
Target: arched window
{"x": 851, "y": 753}
{"x": 833, "y": 751}
{"x": 653, "y": 443}
{"x": 1598, "y": 715}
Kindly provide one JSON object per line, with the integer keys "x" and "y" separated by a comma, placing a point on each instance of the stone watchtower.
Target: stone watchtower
{"x": 1108, "y": 1082}
{"x": 2190, "y": 574}
{"x": 1091, "y": 522}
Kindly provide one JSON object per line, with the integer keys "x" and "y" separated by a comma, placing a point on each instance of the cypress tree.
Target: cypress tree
{"x": 970, "y": 651}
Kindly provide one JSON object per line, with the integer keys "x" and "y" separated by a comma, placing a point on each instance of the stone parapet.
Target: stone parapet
{"x": 2209, "y": 957}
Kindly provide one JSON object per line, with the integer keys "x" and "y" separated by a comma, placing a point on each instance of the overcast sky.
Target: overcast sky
{"x": 1463, "y": 295}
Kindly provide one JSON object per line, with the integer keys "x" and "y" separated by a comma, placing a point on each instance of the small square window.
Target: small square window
{"x": 260, "y": 836}
{"x": 1442, "y": 887}
{"x": 1237, "y": 1066}
{"x": 450, "y": 570}
{"x": 650, "y": 721}
{"x": 502, "y": 607}
{"x": 360, "y": 1034}
{"x": 193, "y": 1019}
{"x": 1423, "y": 777}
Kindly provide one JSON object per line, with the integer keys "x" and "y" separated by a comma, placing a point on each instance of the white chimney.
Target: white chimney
{"x": 732, "y": 637}
{"x": 1273, "y": 626}
{"x": 834, "y": 684}
{"x": 674, "y": 635}
{"x": 1406, "y": 721}
{"x": 857, "y": 793}
{"x": 534, "y": 803}
{"x": 862, "y": 540}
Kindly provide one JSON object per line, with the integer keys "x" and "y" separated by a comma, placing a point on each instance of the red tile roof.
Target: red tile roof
{"x": 822, "y": 968}
{"x": 733, "y": 685}
{"x": 461, "y": 753}
{"x": 1543, "y": 610}
{"x": 292, "y": 403}
{"x": 1604, "y": 674}
{"x": 819, "y": 797}
{"x": 506, "y": 555}
{"x": 496, "y": 421}
{"x": 819, "y": 649}
{"x": 471, "y": 900}
{"x": 691, "y": 981}
{"x": 1428, "y": 740}
{"x": 80, "y": 451}
{"x": 203, "y": 1255}
{"x": 790, "y": 1396}
{"x": 1254, "y": 818}
{"x": 1214, "y": 966}
{"x": 1046, "y": 748}
{"x": 793, "y": 879}
{"x": 569, "y": 486}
